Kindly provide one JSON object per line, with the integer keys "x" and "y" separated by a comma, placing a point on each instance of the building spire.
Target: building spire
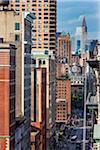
{"x": 84, "y": 26}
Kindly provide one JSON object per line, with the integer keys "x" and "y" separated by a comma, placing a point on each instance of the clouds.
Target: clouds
{"x": 71, "y": 12}
{"x": 88, "y": 16}
{"x": 76, "y": 20}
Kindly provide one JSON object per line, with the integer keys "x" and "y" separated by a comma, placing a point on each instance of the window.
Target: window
{"x": 34, "y": 26}
{"x": 40, "y": 39}
{"x": 34, "y": 30}
{"x": 39, "y": 31}
{"x": 33, "y": 5}
{"x": 45, "y": 31}
{"x": 33, "y": 61}
{"x": 17, "y": 26}
{"x": 40, "y": 5}
{"x": 33, "y": 34}
{"x": 17, "y": 5}
{"x": 40, "y": 62}
{"x": 43, "y": 62}
{"x": 40, "y": 43}
{"x": 45, "y": 9}
{"x": 45, "y": 34}
{"x": 23, "y": 9}
{"x": 33, "y": 9}
{"x": 39, "y": 26}
{"x": 45, "y": 13}
{"x": 45, "y": 26}
{"x": 39, "y": 21}
{"x": 45, "y": 5}
{"x": 34, "y": 39}
{"x": 1, "y": 40}
{"x": 45, "y": 39}
{"x": 17, "y": 37}
{"x": 17, "y": 1}
{"x": 39, "y": 13}
{"x": 46, "y": 43}
{"x": 34, "y": 21}
{"x": 40, "y": 9}
{"x": 39, "y": 17}
{"x": 45, "y": 21}
{"x": 34, "y": 43}
{"x": 17, "y": 9}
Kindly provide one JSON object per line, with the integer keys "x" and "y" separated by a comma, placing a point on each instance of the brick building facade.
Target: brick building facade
{"x": 7, "y": 96}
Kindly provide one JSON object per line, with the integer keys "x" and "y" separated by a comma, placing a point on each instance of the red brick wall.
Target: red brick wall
{"x": 5, "y": 101}
{"x": 64, "y": 49}
{"x": 63, "y": 91}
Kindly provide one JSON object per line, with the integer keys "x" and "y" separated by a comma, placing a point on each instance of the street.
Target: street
{"x": 70, "y": 137}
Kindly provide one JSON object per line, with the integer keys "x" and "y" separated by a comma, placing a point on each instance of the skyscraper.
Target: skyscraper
{"x": 84, "y": 26}
{"x": 64, "y": 48}
{"x": 44, "y": 27}
{"x": 81, "y": 37}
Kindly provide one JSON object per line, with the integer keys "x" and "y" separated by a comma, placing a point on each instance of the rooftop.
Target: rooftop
{"x": 94, "y": 63}
{"x": 96, "y": 135}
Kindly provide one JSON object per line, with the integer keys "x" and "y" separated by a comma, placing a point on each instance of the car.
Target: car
{"x": 73, "y": 138}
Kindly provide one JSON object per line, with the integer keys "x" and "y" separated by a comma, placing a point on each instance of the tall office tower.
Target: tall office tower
{"x": 64, "y": 48}
{"x": 7, "y": 95}
{"x": 44, "y": 27}
{"x": 80, "y": 38}
{"x": 38, "y": 106}
{"x": 84, "y": 26}
{"x": 17, "y": 29}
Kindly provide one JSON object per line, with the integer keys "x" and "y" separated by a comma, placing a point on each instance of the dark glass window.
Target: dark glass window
{"x": 17, "y": 37}
{"x": 17, "y": 26}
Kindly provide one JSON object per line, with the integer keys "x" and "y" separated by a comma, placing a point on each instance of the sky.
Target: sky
{"x": 70, "y": 14}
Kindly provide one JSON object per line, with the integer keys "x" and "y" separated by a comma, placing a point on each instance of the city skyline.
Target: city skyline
{"x": 49, "y": 80}
{"x": 71, "y": 13}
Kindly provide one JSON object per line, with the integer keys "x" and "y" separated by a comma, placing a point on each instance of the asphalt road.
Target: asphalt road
{"x": 65, "y": 143}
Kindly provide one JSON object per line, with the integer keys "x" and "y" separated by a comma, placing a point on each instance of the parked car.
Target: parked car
{"x": 73, "y": 138}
